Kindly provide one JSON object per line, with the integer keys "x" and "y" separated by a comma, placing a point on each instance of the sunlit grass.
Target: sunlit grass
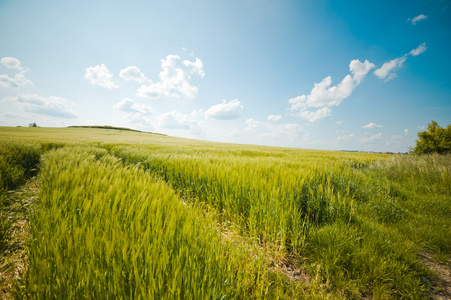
{"x": 114, "y": 230}
{"x": 131, "y": 214}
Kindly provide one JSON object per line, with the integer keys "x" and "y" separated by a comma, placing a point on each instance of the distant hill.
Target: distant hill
{"x": 105, "y": 127}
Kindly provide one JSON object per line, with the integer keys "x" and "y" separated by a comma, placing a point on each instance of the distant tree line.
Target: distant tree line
{"x": 105, "y": 127}
{"x": 435, "y": 139}
{"x": 113, "y": 128}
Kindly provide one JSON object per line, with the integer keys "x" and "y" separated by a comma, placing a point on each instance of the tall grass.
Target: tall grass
{"x": 421, "y": 202}
{"x": 104, "y": 230}
{"x": 153, "y": 217}
{"x": 319, "y": 208}
{"x": 273, "y": 198}
{"x": 18, "y": 162}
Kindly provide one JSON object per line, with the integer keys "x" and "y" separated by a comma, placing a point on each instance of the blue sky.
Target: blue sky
{"x": 310, "y": 74}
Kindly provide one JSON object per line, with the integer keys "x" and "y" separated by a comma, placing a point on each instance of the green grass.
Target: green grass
{"x": 18, "y": 162}
{"x": 116, "y": 231}
{"x": 125, "y": 214}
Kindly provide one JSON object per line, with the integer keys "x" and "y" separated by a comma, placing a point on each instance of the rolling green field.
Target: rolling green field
{"x": 124, "y": 214}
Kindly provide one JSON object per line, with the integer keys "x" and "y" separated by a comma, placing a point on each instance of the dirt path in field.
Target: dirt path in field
{"x": 442, "y": 285}
{"x": 13, "y": 262}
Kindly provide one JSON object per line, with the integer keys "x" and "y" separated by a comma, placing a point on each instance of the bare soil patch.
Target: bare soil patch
{"x": 442, "y": 283}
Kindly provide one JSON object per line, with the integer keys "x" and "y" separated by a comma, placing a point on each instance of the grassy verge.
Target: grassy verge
{"x": 18, "y": 162}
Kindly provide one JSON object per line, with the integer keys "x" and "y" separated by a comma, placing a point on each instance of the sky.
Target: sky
{"x": 334, "y": 75}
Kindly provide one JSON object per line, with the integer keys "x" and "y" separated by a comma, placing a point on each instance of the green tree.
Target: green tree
{"x": 435, "y": 139}
{"x": 32, "y": 125}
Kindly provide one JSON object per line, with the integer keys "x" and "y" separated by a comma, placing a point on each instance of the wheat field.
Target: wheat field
{"x": 123, "y": 214}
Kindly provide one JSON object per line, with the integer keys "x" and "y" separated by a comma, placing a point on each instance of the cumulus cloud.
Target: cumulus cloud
{"x": 177, "y": 120}
{"x": 172, "y": 120}
{"x": 19, "y": 80}
{"x": 359, "y": 70}
{"x": 52, "y": 106}
{"x": 225, "y": 111}
{"x": 100, "y": 75}
{"x": 406, "y": 131}
{"x": 386, "y": 71}
{"x": 175, "y": 79}
{"x": 313, "y": 116}
{"x": 372, "y": 125}
{"x": 130, "y": 106}
{"x": 274, "y": 117}
{"x": 417, "y": 19}
{"x": 252, "y": 124}
{"x": 11, "y": 63}
{"x": 133, "y": 73}
{"x": 323, "y": 95}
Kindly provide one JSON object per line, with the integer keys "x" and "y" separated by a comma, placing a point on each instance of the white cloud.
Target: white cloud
{"x": 323, "y": 95}
{"x": 10, "y": 82}
{"x": 137, "y": 114}
{"x": 359, "y": 69}
{"x": 11, "y": 63}
{"x": 339, "y": 122}
{"x": 313, "y": 116}
{"x": 19, "y": 80}
{"x": 417, "y": 51}
{"x": 372, "y": 125}
{"x": 133, "y": 73}
{"x": 52, "y": 106}
{"x": 100, "y": 75}
{"x": 173, "y": 120}
{"x": 406, "y": 131}
{"x": 252, "y": 124}
{"x": 417, "y": 18}
{"x": 225, "y": 111}
{"x": 421, "y": 127}
{"x": 274, "y": 117}
{"x": 385, "y": 72}
{"x": 175, "y": 79}
{"x": 140, "y": 121}
{"x": 128, "y": 105}
{"x": 177, "y": 120}
{"x": 371, "y": 138}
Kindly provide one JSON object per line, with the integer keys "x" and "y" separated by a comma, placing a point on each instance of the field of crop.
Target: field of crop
{"x": 124, "y": 214}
